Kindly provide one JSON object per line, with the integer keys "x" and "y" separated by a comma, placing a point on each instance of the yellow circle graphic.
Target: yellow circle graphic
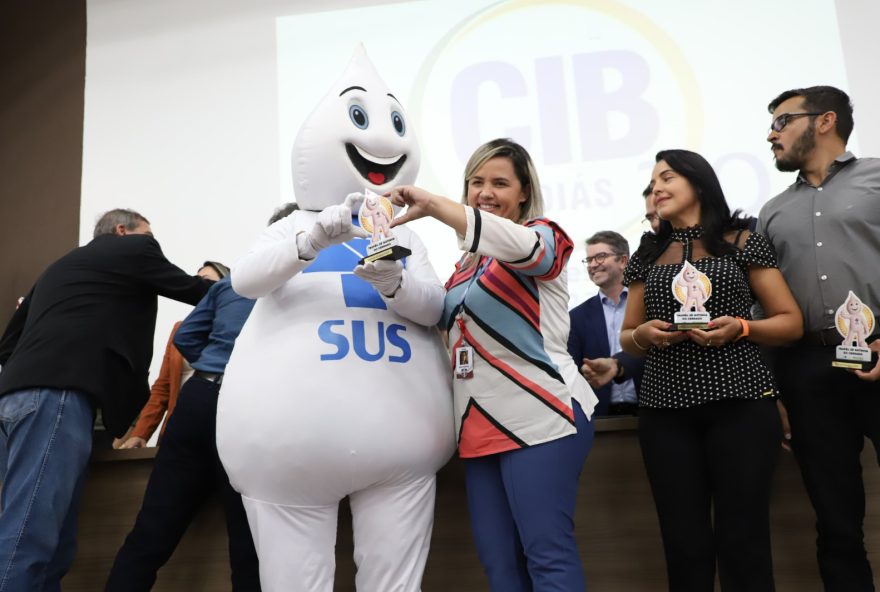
{"x": 843, "y": 324}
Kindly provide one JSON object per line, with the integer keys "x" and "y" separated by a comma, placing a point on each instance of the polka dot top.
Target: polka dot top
{"x": 686, "y": 374}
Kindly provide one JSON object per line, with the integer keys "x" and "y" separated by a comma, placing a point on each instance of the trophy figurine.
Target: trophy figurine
{"x": 855, "y": 322}
{"x": 692, "y": 288}
{"x": 375, "y": 217}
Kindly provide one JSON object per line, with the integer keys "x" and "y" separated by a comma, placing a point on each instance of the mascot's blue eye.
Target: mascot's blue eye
{"x": 359, "y": 116}
{"x": 397, "y": 121}
{"x": 399, "y": 124}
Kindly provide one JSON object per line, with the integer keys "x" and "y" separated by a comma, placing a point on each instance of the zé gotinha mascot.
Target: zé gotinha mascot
{"x": 339, "y": 383}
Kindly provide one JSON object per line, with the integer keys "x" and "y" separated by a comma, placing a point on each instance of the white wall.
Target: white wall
{"x": 191, "y": 105}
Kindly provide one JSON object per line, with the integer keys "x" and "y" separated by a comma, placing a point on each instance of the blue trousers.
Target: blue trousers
{"x": 48, "y": 439}
{"x": 522, "y": 504}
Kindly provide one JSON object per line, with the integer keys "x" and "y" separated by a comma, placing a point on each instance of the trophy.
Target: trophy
{"x": 855, "y": 322}
{"x": 375, "y": 217}
{"x": 692, "y": 288}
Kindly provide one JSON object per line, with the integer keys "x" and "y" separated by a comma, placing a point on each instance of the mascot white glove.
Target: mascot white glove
{"x": 332, "y": 227}
{"x": 384, "y": 275}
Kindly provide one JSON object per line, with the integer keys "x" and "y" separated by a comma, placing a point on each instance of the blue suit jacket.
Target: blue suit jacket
{"x": 588, "y": 338}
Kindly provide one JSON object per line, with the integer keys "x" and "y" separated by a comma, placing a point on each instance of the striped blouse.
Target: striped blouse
{"x": 510, "y": 304}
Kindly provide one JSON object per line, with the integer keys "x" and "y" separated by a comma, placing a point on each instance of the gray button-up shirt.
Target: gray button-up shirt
{"x": 827, "y": 238}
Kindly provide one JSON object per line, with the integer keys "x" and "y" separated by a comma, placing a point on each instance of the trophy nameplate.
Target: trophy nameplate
{"x": 375, "y": 217}
{"x": 855, "y": 322}
{"x": 691, "y": 288}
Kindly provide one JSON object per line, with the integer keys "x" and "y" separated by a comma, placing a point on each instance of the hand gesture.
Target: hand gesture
{"x": 656, "y": 332}
{"x": 873, "y": 374}
{"x": 786, "y": 426}
{"x": 600, "y": 371}
{"x": 133, "y": 442}
{"x": 384, "y": 275}
{"x": 333, "y": 226}
{"x": 416, "y": 200}
{"x": 721, "y": 331}
{"x": 353, "y": 201}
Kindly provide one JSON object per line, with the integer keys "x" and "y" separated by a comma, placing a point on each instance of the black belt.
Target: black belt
{"x": 215, "y": 377}
{"x": 822, "y": 337}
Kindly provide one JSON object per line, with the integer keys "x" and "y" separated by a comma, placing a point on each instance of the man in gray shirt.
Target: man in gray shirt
{"x": 826, "y": 231}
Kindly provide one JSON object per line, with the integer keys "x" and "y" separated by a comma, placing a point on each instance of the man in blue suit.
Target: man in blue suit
{"x": 595, "y": 328}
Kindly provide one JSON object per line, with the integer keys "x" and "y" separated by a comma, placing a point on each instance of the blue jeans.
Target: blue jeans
{"x": 522, "y": 504}
{"x": 2, "y": 461}
{"x": 48, "y": 439}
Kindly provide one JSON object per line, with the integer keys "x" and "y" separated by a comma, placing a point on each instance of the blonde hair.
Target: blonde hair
{"x": 523, "y": 168}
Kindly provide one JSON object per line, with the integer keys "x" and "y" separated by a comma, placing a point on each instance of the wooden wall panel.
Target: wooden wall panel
{"x": 42, "y": 80}
{"x": 617, "y": 527}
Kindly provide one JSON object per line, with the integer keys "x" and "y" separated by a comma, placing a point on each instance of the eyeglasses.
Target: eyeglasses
{"x": 648, "y": 222}
{"x": 780, "y": 122}
{"x": 598, "y": 258}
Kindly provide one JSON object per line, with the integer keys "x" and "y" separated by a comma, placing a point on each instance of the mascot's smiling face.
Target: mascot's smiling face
{"x": 358, "y": 136}
{"x": 376, "y": 169}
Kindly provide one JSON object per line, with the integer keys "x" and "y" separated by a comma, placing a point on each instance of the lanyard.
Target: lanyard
{"x": 481, "y": 268}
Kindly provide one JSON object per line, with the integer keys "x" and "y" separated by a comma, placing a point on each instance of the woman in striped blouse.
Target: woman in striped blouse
{"x": 522, "y": 408}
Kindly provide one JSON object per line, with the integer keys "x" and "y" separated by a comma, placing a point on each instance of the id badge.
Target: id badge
{"x": 464, "y": 362}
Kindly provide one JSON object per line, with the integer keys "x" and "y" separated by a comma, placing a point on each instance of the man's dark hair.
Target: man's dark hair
{"x": 615, "y": 240}
{"x": 108, "y": 221}
{"x": 647, "y": 191}
{"x": 283, "y": 212}
{"x": 822, "y": 98}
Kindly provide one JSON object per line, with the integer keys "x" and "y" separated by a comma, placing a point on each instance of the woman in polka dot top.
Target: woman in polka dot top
{"x": 709, "y": 427}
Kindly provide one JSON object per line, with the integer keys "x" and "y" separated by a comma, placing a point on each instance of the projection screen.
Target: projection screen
{"x": 192, "y": 106}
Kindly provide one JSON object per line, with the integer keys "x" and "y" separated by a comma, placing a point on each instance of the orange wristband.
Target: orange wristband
{"x": 745, "y": 326}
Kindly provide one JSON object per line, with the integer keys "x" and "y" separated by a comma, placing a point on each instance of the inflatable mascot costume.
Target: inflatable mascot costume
{"x": 339, "y": 383}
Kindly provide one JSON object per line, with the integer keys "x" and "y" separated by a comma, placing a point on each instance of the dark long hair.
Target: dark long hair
{"x": 715, "y": 216}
